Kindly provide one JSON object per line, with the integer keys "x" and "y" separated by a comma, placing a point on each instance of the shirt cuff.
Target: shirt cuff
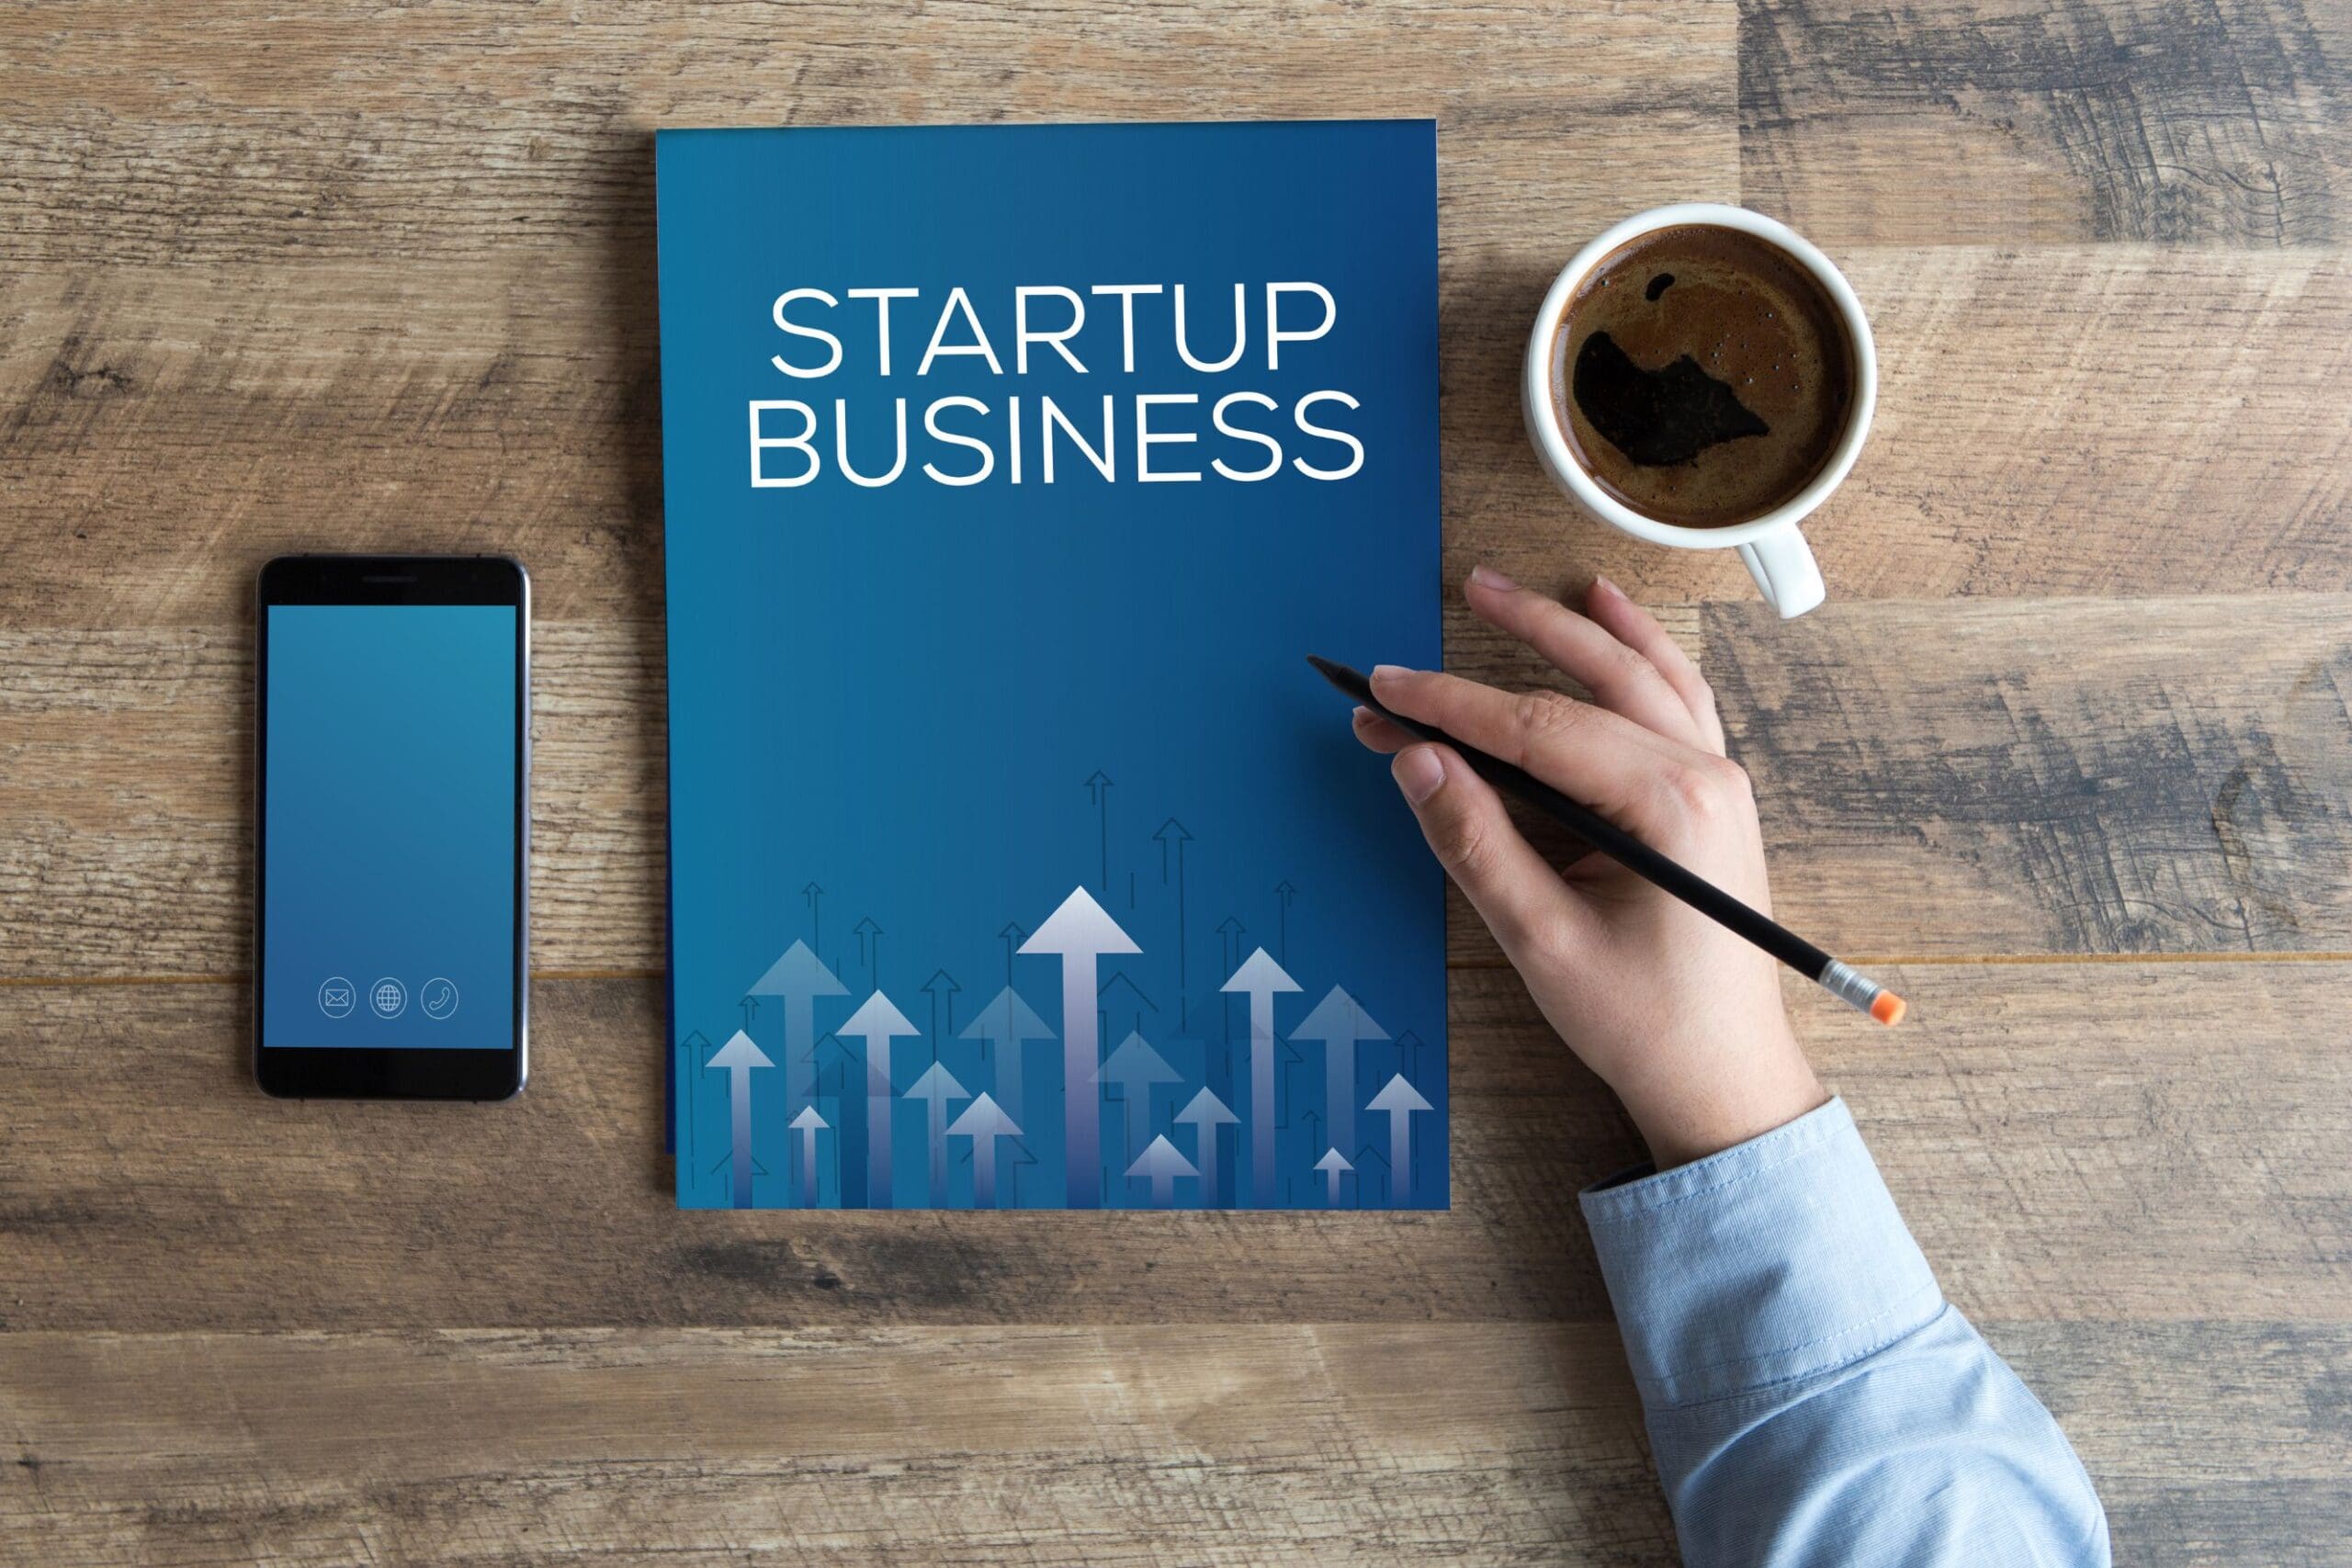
{"x": 1781, "y": 1258}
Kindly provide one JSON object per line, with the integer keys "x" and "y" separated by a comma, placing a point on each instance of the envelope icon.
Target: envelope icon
{"x": 338, "y": 996}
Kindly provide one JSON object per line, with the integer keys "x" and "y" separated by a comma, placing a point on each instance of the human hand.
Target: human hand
{"x": 1680, "y": 1017}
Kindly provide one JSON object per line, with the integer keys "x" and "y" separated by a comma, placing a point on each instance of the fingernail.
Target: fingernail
{"x": 1487, "y": 577}
{"x": 1419, "y": 772}
{"x": 1602, "y": 585}
{"x": 1384, "y": 673}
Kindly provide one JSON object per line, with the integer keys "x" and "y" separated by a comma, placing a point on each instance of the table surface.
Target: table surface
{"x": 2065, "y": 756}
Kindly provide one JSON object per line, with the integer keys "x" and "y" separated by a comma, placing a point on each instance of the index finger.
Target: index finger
{"x": 1604, "y": 759}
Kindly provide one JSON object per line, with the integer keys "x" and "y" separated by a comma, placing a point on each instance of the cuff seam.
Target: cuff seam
{"x": 1667, "y": 1381}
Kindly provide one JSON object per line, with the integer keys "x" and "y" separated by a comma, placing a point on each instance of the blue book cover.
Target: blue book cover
{"x": 1018, "y": 859}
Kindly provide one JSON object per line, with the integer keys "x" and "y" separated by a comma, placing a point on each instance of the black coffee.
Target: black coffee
{"x": 1703, "y": 376}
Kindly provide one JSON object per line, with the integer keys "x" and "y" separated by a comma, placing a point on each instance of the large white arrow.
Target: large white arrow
{"x": 1260, "y": 976}
{"x": 739, "y": 1056}
{"x": 1081, "y": 933}
{"x": 799, "y": 977}
{"x": 877, "y": 1020}
{"x": 1400, "y": 1100}
{"x": 1339, "y": 1023}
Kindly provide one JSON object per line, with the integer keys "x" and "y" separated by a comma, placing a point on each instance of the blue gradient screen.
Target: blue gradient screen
{"x": 388, "y": 900}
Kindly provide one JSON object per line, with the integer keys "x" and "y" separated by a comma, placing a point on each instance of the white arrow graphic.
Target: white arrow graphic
{"x": 878, "y": 1021}
{"x": 739, "y": 1056}
{"x": 1339, "y": 1023}
{"x": 936, "y": 1088}
{"x": 1081, "y": 933}
{"x": 1008, "y": 1024}
{"x": 1260, "y": 976}
{"x": 808, "y": 1125}
{"x": 1135, "y": 1066}
{"x": 1163, "y": 1163}
{"x": 799, "y": 977}
{"x": 1332, "y": 1165}
{"x": 984, "y": 1122}
{"x": 1206, "y": 1112}
{"x": 1400, "y": 1100}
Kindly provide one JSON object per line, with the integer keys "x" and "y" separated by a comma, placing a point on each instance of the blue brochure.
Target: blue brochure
{"x": 1018, "y": 860}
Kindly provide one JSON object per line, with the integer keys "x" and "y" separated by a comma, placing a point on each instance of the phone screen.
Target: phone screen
{"x": 389, "y": 852}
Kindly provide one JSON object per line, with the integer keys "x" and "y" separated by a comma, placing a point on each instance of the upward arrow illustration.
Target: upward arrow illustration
{"x": 1230, "y": 929}
{"x": 878, "y": 1021}
{"x": 1135, "y": 1066}
{"x": 936, "y": 1088}
{"x": 1098, "y": 792}
{"x": 1008, "y": 1024}
{"x": 984, "y": 1122}
{"x": 1409, "y": 1047}
{"x": 869, "y": 948}
{"x": 940, "y": 984}
{"x": 1400, "y": 1100}
{"x": 739, "y": 1056}
{"x": 1338, "y": 1022}
{"x": 834, "y": 1055}
{"x": 808, "y": 1125}
{"x": 1134, "y": 1001}
{"x": 1260, "y": 977}
{"x": 1162, "y": 1163}
{"x": 799, "y": 977}
{"x": 1173, "y": 836}
{"x": 1332, "y": 1165}
{"x": 690, "y": 1049}
{"x": 1206, "y": 1113}
{"x": 1080, "y": 933}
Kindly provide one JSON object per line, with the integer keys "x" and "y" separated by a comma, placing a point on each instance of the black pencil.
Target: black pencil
{"x": 1840, "y": 980}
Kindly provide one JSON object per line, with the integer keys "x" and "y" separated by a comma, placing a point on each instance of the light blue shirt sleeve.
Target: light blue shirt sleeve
{"x": 1811, "y": 1396}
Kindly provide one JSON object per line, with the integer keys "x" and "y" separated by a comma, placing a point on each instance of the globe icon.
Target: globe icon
{"x": 388, "y": 997}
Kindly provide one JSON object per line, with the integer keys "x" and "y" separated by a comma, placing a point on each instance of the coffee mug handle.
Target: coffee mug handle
{"x": 1783, "y": 567}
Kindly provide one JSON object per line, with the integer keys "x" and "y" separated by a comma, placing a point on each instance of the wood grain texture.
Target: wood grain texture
{"x": 464, "y": 130}
{"x": 1994, "y": 777}
{"x": 2013, "y": 120}
{"x": 2077, "y": 776}
{"x": 165, "y": 429}
{"x": 1190, "y": 1444}
{"x": 2028, "y": 1118}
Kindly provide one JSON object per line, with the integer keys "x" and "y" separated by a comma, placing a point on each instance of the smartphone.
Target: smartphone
{"x": 392, "y": 791}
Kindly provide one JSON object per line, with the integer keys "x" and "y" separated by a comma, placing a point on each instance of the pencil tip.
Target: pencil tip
{"x": 1344, "y": 678}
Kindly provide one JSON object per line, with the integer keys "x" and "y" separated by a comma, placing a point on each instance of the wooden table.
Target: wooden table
{"x": 2068, "y": 755}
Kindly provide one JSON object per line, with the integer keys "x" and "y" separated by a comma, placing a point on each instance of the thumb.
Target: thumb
{"x": 1513, "y": 890}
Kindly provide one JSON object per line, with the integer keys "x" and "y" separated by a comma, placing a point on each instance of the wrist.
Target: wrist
{"x": 1707, "y": 1107}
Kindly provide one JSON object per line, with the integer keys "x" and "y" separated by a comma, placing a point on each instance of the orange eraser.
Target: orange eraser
{"x": 1888, "y": 1008}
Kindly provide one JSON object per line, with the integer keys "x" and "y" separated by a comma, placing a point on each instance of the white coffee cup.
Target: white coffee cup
{"x": 1772, "y": 544}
